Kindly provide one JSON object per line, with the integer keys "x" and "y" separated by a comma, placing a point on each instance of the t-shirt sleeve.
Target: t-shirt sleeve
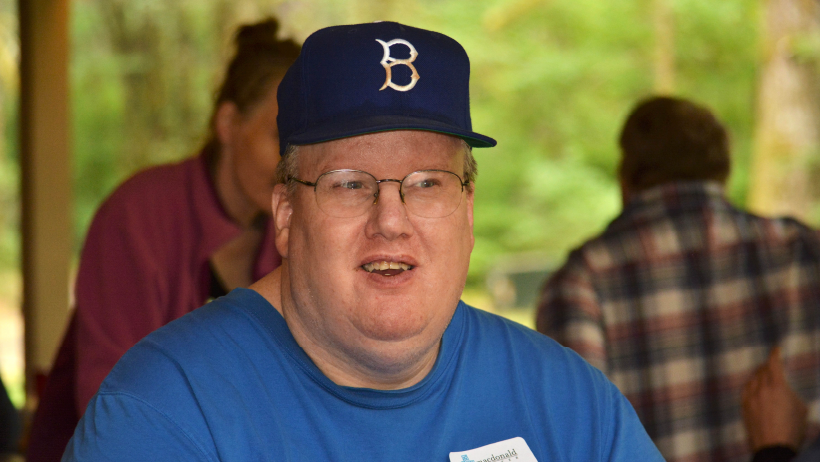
{"x": 570, "y": 313}
{"x": 628, "y": 440}
{"x": 121, "y": 427}
{"x": 586, "y": 416}
{"x": 146, "y": 410}
{"x": 121, "y": 293}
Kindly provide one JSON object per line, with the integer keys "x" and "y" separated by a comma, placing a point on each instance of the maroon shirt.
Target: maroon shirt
{"x": 145, "y": 263}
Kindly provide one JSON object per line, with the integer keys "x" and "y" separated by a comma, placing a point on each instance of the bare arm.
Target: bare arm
{"x": 773, "y": 413}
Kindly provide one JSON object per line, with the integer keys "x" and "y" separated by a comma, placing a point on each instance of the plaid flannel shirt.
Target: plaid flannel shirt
{"x": 679, "y": 300}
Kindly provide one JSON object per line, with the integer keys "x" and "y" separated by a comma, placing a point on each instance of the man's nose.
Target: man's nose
{"x": 388, "y": 216}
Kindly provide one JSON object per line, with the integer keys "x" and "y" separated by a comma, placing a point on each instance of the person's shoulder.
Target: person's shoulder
{"x": 148, "y": 203}
{"x": 782, "y": 227}
{"x": 599, "y": 252}
{"x": 525, "y": 344}
{"x": 580, "y": 264}
{"x": 543, "y": 367}
{"x": 157, "y": 183}
{"x": 494, "y": 325}
{"x": 231, "y": 316}
{"x": 202, "y": 341}
{"x": 558, "y": 386}
{"x": 154, "y": 392}
{"x": 783, "y": 232}
{"x": 204, "y": 362}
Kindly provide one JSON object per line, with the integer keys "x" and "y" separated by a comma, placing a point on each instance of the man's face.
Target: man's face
{"x": 336, "y": 302}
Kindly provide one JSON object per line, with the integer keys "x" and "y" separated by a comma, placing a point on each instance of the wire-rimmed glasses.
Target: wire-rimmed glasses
{"x": 350, "y": 193}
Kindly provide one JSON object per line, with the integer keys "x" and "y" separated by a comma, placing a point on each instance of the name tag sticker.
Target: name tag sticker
{"x": 512, "y": 450}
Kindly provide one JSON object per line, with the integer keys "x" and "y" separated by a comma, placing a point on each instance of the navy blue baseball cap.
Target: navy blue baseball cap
{"x": 367, "y": 78}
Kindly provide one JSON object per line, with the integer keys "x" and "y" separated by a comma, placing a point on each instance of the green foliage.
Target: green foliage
{"x": 9, "y": 172}
{"x": 9, "y": 189}
{"x": 142, "y": 78}
{"x": 718, "y": 59}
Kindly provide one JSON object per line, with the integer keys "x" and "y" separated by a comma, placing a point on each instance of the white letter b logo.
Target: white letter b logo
{"x": 388, "y": 62}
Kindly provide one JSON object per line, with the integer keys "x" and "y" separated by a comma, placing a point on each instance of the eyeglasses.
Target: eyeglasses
{"x": 350, "y": 193}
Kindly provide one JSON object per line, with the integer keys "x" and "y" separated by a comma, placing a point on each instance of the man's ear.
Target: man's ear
{"x": 282, "y": 211}
{"x": 225, "y": 121}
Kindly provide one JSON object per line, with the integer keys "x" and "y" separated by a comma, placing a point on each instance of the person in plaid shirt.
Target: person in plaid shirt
{"x": 683, "y": 295}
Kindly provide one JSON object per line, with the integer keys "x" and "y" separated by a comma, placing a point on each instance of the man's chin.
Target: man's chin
{"x": 395, "y": 321}
{"x": 391, "y": 327}
{"x": 399, "y": 354}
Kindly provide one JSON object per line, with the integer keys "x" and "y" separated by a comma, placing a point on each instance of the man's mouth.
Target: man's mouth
{"x": 386, "y": 268}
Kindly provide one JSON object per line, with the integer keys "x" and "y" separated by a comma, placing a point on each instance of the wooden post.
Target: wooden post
{"x": 45, "y": 182}
{"x": 787, "y": 137}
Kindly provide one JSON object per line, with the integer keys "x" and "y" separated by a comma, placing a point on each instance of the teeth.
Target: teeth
{"x": 385, "y": 265}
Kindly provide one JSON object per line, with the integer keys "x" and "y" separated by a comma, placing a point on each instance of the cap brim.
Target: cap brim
{"x": 382, "y": 123}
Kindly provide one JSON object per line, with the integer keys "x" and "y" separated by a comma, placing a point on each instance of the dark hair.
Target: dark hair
{"x": 669, "y": 139}
{"x": 261, "y": 59}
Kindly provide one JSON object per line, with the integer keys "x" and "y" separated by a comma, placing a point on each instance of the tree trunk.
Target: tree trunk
{"x": 786, "y": 138}
{"x": 664, "y": 53}
{"x": 135, "y": 38}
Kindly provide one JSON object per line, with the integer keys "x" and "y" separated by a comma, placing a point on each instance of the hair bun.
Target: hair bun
{"x": 261, "y": 34}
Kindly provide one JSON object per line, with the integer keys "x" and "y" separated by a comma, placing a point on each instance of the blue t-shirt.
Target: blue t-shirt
{"x": 229, "y": 382}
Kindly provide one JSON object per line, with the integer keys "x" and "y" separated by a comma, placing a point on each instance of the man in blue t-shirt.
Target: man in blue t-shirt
{"x": 357, "y": 347}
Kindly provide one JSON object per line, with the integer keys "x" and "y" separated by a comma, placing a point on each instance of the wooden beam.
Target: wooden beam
{"x": 45, "y": 178}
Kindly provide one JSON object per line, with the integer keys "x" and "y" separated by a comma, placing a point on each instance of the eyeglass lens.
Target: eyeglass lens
{"x": 426, "y": 193}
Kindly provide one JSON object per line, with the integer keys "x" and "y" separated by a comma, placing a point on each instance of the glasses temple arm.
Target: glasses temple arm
{"x": 306, "y": 183}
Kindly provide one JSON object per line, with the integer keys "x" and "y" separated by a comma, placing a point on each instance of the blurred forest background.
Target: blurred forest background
{"x": 552, "y": 82}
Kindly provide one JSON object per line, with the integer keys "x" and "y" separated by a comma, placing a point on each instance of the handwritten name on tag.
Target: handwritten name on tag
{"x": 512, "y": 450}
